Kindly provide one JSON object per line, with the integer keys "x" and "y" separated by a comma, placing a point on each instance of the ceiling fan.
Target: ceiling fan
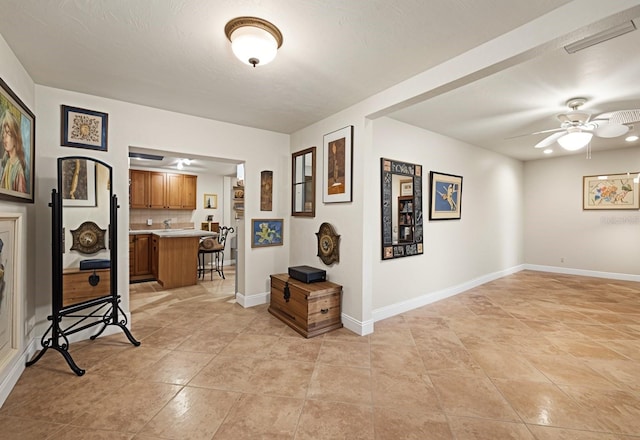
{"x": 577, "y": 128}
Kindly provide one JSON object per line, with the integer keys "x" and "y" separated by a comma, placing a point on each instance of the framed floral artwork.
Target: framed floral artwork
{"x": 614, "y": 191}
{"x": 266, "y": 232}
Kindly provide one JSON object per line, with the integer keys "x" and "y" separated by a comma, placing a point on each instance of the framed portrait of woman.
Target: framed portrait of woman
{"x": 17, "y": 160}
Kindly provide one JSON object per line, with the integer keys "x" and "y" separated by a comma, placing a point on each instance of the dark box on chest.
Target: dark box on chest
{"x": 307, "y": 274}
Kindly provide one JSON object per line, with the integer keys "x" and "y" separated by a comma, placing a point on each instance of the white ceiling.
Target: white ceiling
{"x": 173, "y": 54}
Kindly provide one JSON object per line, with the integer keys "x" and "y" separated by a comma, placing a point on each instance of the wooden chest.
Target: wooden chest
{"x": 76, "y": 287}
{"x": 310, "y": 309}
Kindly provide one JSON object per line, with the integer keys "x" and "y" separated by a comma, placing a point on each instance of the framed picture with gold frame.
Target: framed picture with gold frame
{"x": 613, "y": 191}
{"x": 210, "y": 201}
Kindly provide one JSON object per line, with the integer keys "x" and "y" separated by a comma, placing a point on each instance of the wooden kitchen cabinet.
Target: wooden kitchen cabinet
{"x": 140, "y": 257}
{"x": 138, "y": 189}
{"x": 189, "y": 190}
{"x": 157, "y": 190}
{"x": 173, "y": 195}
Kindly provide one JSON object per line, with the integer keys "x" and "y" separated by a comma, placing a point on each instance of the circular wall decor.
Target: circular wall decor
{"x": 328, "y": 244}
{"x": 88, "y": 238}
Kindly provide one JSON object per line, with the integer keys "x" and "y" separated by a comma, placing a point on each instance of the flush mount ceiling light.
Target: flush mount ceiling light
{"x": 253, "y": 40}
{"x": 575, "y": 139}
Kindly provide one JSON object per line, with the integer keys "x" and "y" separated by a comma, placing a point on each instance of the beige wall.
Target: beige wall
{"x": 557, "y": 228}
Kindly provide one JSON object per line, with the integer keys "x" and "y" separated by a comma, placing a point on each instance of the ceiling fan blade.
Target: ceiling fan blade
{"x": 549, "y": 140}
{"x": 625, "y": 116}
{"x": 610, "y": 130}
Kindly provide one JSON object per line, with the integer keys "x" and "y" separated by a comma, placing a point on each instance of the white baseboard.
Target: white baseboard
{"x": 358, "y": 327}
{"x": 414, "y": 303}
{"x": 583, "y": 272}
{"x": 247, "y": 301}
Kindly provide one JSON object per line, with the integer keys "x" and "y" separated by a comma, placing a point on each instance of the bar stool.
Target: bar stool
{"x": 213, "y": 246}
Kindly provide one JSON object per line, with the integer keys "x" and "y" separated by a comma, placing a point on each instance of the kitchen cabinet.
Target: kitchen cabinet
{"x": 138, "y": 189}
{"x": 176, "y": 260}
{"x": 157, "y": 190}
{"x": 140, "y": 257}
{"x": 189, "y": 190}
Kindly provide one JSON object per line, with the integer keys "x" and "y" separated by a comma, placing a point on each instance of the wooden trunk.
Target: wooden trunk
{"x": 76, "y": 287}
{"x": 309, "y": 308}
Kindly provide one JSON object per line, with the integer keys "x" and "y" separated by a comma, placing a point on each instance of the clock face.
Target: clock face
{"x": 88, "y": 238}
{"x": 326, "y": 244}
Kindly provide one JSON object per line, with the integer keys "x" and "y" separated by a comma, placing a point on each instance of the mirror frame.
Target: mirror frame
{"x": 388, "y": 168}
{"x": 294, "y": 156}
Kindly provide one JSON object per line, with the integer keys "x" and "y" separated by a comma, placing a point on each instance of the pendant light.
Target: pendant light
{"x": 253, "y": 40}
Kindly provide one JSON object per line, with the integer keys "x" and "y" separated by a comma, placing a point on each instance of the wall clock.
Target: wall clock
{"x": 328, "y": 244}
{"x": 88, "y": 238}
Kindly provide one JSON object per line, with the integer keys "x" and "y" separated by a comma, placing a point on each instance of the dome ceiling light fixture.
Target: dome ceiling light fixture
{"x": 253, "y": 40}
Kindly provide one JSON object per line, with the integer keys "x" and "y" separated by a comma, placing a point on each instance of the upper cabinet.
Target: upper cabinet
{"x": 138, "y": 189}
{"x": 156, "y": 190}
{"x": 189, "y": 189}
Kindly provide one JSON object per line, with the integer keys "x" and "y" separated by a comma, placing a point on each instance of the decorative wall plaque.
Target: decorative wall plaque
{"x": 88, "y": 238}
{"x": 328, "y": 244}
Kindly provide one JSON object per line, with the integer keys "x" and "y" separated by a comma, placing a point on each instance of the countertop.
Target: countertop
{"x": 175, "y": 232}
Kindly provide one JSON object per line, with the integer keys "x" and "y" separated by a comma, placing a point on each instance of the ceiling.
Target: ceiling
{"x": 173, "y": 55}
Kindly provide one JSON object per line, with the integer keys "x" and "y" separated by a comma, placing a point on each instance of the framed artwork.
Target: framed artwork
{"x": 10, "y": 310}
{"x": 266, "y": 232}
{"x": 338, "y": 165}
{"x": 82, "y": 128}
{"x": 210, "y": 201}
{"x": 78, "y": 183}
{"x": 406, "y": 187}
{"x": 266, "y": 190}
{"x": 445, "y": 197}
{"x": 17, "y": 163}
{"x": 615, "y": 191}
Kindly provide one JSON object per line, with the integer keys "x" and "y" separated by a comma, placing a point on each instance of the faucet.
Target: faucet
{"x": 167, "y": 223}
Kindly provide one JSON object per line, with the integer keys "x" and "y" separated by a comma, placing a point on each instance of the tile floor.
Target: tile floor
{"x": 529, "y": 356}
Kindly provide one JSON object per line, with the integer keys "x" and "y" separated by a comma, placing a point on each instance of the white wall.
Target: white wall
{"x": 486, "y": 240}
{"x": 557, "y": 228}
{"x": 146, "y": 127}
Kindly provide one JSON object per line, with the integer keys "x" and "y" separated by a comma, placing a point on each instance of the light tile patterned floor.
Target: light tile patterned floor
{"x": 530, "y": 356}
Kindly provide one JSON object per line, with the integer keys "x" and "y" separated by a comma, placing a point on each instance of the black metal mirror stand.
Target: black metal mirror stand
{"x": 105, "y": 310}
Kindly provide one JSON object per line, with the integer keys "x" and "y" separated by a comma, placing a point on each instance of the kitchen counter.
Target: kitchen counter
{"x": 174, "y": 232}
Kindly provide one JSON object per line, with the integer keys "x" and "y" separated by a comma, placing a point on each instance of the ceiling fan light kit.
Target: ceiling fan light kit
{"x": 577, "y": 128}
{"x": 575, "y": 140}
{"x": 253, "y": 40}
